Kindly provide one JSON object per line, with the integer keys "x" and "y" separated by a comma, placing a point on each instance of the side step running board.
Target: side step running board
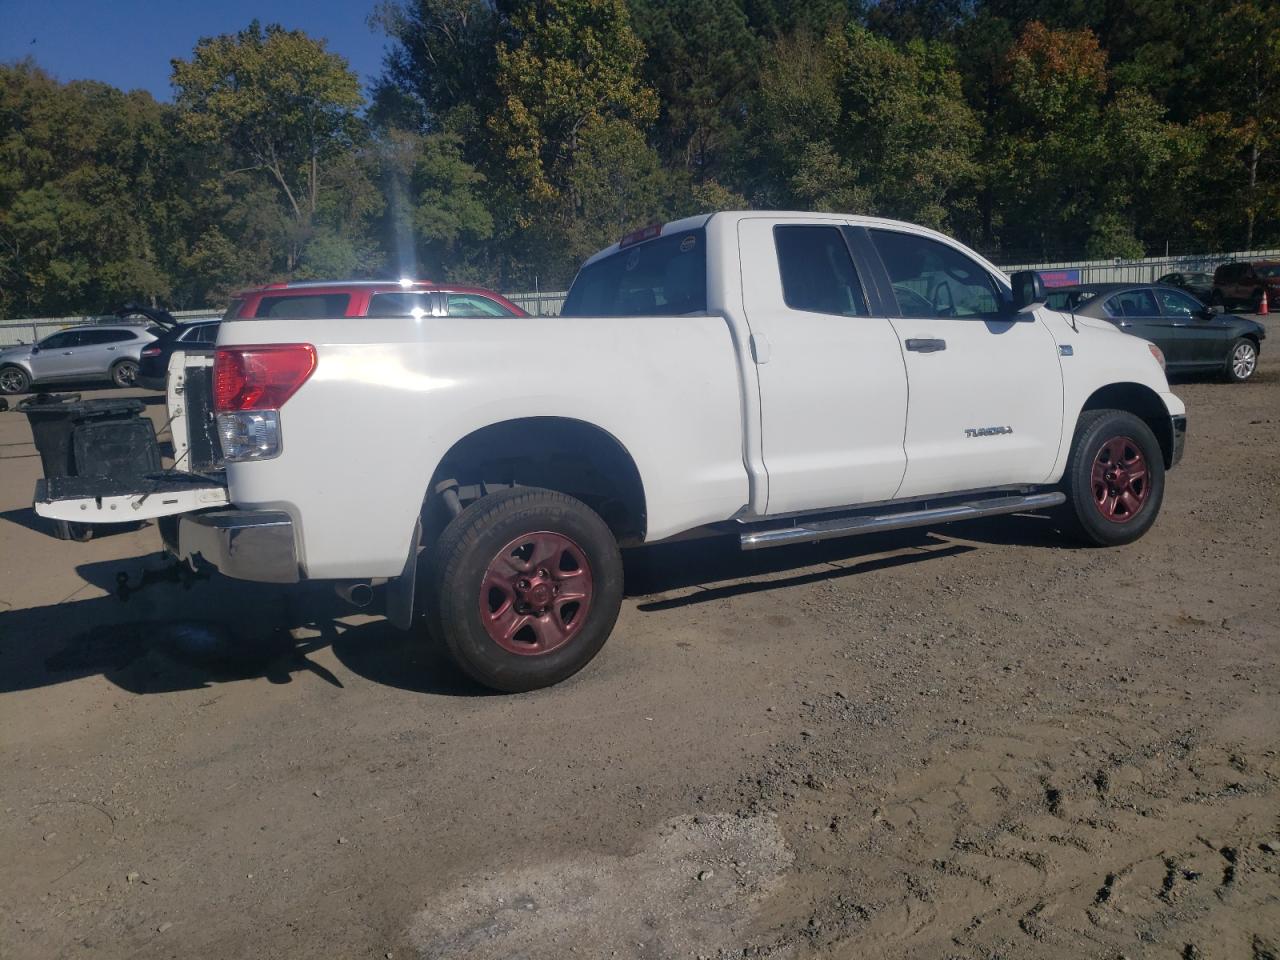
{"x": 880, "y": 522}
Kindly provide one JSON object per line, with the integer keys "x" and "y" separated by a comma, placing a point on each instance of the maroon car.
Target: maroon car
{"x": 369, "y": 298}
{"x": 1241, "y": 284}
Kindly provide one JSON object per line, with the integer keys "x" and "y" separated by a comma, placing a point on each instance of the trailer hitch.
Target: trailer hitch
{"x": 175, "y": 572}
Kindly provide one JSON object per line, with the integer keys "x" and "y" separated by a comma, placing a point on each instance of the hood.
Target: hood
{"x": 16, "y": 351}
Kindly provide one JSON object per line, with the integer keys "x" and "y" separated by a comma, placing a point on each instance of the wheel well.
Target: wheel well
{"x": 555, "y": 453}
{"x": 1142, "y": 402}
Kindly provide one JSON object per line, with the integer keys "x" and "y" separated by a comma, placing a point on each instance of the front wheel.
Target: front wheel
{"x": 14, "y": 380}
{"x": 1114, "y": 480}
{"x": 125, "y": 373}
{"x": 525, "y": 587}
{"x": 1242, "y": 361}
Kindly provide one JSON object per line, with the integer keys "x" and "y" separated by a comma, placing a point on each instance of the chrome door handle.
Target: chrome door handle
{"x": 926, "y": 346}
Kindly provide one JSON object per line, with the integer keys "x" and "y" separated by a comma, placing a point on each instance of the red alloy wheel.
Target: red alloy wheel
{"x": 1120, "y": 480}
{"x": 536, "y": 593}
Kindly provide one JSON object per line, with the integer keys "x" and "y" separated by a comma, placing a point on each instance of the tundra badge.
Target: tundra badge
{"x": 987, "y": 431}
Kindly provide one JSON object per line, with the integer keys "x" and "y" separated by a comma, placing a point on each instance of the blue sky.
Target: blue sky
{"x": 129, "y": 43}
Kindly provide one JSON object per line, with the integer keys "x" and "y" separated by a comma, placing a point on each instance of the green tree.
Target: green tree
{"x": 440, "y": 72}
{"x": 89, "y": 202}
{"x": 857, "y": 123}
{"x": 572, "y": 65}
{"x": 703, "y": 62}
{"x": 283, "y": 105}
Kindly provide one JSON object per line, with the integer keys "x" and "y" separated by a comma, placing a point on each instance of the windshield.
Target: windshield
{"x": 664, "y": 277}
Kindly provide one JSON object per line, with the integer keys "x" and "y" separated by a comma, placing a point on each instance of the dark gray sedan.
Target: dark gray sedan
{"x": 1193, "y": 336}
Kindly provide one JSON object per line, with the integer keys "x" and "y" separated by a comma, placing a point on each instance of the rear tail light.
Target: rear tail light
{"x": 250, "y": 384}
{"x": 151, "y": 351}
{"x": 260, "y": 377}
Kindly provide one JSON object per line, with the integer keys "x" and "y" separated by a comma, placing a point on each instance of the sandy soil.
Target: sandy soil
{"x": 971, "y": 742}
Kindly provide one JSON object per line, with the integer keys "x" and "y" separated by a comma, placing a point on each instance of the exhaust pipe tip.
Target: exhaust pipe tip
{"x": 357, "y": 593}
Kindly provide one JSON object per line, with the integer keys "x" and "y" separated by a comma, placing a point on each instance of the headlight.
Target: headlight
{"x": 1157, "y": 353}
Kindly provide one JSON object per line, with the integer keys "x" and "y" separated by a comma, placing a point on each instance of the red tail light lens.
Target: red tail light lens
{"x": 151, "y": 351}
{"x": 260, "y": 377}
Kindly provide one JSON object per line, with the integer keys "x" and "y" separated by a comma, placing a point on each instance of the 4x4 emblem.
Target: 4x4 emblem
{"x": 987, "y": 431}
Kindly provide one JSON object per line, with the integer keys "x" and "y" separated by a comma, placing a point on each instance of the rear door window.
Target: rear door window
{"x": 663, "y": 277}
{"x": 818, "y": 275}
{"x": 304, "y": 306}
{"x": 474, "y": 305}
{"x": 93, "y": 338}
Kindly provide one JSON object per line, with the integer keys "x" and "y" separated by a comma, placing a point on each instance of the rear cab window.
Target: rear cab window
{"x": 663, "y": 277}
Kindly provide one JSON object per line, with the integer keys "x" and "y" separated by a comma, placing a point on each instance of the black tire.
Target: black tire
{"x": 1242, "y": 360}
{"x": 1216, "y": 300}
{"x": 1085, "y": 516}
{"x": 474, "y": 542}
{"x": 124, "y": 373}
{"x": 14, "y": 380}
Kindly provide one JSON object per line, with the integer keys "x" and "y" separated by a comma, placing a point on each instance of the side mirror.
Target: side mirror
{"x": 1028, "y": 290}
{"x": 35, "y": 348}
{"x": 1216, "y": 310}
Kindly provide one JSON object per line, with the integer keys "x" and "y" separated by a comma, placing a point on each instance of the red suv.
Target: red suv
{"x": 369, "y": 298}
{"x": 1241, "y": 284}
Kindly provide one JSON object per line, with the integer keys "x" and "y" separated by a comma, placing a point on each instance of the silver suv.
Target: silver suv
{"x": 100, "y": 351}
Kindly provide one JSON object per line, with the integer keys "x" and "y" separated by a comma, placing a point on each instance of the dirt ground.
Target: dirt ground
{"x": 973, "y": 742}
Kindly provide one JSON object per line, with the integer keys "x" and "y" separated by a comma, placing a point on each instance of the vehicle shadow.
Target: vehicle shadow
{"x": 707, "y": 563}
{"x": 175, "y": 633}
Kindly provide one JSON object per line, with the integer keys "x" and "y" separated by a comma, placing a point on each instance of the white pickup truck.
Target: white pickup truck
{"x": 780, "y": 377}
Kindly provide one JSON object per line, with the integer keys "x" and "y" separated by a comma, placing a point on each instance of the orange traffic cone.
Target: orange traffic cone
{"x": 1263, "y": 308}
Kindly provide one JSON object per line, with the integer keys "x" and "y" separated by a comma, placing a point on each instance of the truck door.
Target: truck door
{"x": 833, "y": 386}
{"x": 986, "y": 387}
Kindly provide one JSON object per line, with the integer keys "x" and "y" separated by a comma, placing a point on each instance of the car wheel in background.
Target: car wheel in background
{"x": 1114, "y": 479}
{"x": 124, "y": 373}
{"x": 14, "y": 380}
{"x": 1216, "y": 300}
{"x": 524, "y": 589}
{"x": 1242, "y": 361}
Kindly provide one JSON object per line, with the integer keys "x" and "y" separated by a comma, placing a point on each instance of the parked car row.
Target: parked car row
{"x": 1194, "y": 338}
{"x": 131, "y": 352}
{"x": 137, "y": 352}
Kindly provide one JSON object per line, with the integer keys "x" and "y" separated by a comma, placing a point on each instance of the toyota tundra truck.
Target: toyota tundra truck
{"x": 780, "y": 378}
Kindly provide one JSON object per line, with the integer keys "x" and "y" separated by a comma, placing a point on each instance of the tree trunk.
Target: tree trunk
{"x": 1249, "y": 209}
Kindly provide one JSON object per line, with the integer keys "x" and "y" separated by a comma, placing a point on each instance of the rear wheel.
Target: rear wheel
{"x": 1114, "y": 480}
{"x": 14, "y": 380}
{"x": 1242, "y": 361}
{"x": 525, "y": 587}
{"x": 1216, "y": 300}
{"x": 124, "y": 373}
